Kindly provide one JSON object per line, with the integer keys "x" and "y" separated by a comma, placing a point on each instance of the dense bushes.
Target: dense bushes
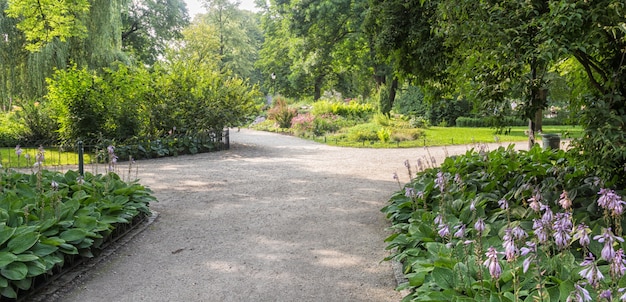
{"x": 508, "y": 226}
{"x": 502, "y": 122}
{"x": 51, "y": 220}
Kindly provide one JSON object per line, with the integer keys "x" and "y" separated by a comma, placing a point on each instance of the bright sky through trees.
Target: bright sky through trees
{"x": 195, "y": 6}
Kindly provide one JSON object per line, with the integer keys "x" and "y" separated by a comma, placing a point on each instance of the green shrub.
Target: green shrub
{"x": 401, "y": 135}
{"x": 418, "y": 122}
{"x": 353, "y": 109}
{"x": 363, "y": 132}
{"x": 384, "y": 134}
{"x": 11, "y": 131}
{"x": 52, "y": 219}
{"x": 446, "y": 219}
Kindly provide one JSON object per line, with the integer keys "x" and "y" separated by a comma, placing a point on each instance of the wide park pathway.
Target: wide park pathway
{"x": 275, "y": 218}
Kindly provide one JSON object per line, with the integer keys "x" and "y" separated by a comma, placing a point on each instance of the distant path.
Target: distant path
{"x": 275, "y": 218}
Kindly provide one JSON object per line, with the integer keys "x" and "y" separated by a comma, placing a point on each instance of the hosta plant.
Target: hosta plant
{"x": 508, "y": 226}
{"x": 49, "y": 219}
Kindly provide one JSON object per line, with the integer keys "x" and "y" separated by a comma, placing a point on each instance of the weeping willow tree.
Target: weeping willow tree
{"x": 32, "y": 48}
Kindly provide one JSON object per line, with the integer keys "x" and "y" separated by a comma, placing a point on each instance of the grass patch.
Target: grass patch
{"x": 441, "y": 136}
{"x": 53, "y": 157}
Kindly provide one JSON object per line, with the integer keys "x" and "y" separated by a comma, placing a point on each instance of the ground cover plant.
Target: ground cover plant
{"x": 505, "y": 225}
{"x": 50, "y": 219}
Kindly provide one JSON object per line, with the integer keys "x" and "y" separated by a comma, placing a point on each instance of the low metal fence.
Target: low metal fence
{"x": 95, "y": 157}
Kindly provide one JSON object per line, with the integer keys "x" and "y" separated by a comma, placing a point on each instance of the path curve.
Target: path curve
{"x": 275, "y": 218}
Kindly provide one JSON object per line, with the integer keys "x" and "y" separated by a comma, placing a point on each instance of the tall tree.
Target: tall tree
{"x": 238, "y": 35}
{"x": 149, "y": 25}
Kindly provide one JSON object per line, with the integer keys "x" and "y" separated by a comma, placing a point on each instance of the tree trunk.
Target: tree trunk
{"x": 392, "y": 91}
{"x": 318, "y": 88}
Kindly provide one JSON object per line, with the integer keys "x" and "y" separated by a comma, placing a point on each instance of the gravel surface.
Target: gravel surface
{"x": 275, "y": 218}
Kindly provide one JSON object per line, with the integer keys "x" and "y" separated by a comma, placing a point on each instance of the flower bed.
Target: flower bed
{"x": 50, "y": 220}
{"x": 508, "y": 226}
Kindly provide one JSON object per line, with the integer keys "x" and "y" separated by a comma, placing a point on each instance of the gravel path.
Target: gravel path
{"x": 275, "y": 218}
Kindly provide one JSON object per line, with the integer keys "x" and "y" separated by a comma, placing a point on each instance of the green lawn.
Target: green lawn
{"x": 52, "y": 157}
{"x": 440, "y": 136}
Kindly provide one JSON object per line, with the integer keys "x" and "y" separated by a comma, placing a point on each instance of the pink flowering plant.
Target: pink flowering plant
{"x": 508, "y": 226}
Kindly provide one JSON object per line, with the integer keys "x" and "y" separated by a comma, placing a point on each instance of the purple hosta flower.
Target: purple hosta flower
{"x": 509, "y": 245}
{"x": 54, "y": 185}
{"x": 547, "y": 216}
{"x": 420, "y": 165}
{"x": 503, "y": 204}
{"x": 80, "y": 180}
{"x": 534, "y": 202}
{"x": 444, "y": 231}
{"x": 18, "y": 151}
{"x": 407, "y": 164}
{"x": 564, "y": 201}
{"x": 438, "y": 220}
{"x": 535, "y": 205}
{"x": 606, "y": 294}
{"x": 617, "y": 267}
{"x": 579, "y": 294}
{"x": 409, "y": 192}
{"x": 529, "y": 250}
{"x": 562, "y": 228}
{"x": 460, "y": 231}
{"x": 440, "y": 181}
{"x": 492, "y": 263}
{"x": 473, "y": 206}
{"x": 623, "y": 296}
{"x": 40, "y": 155}
{"x": 519, "y": 233}
{"x": 420, "y": 194}
{"x": 590, "y": 270}
{"x": 541, "y": 230}
{"x": 610, "y": 201}
{"x": 607, "y": 237}
{"x": 110, "y": 149}
{"x": 27, "y": 156}
{"x": 582, "y": 234}
{"x": 458, "y": 180}
{"x": 395, "y": 176}
{"x": 479, "y": 226}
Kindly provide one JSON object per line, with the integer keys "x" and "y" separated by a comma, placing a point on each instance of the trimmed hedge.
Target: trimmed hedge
{"x": 478, "y": 122}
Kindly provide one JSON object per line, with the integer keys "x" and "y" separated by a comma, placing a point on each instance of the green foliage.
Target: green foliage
{"x": 352, "y": 110}
{"x": 384, "y": 134}
{"x": 45, "y": 20}
{"x": 384, "y": 101}
{"x": 87, "y": 106}
{"x": 10, "y": 129}
{"x": 474, "y": 186}
{"x": 52, "y": 219}
{"x": 363, "y": 132}
{"x": 410, "y": 101}
{"x": 602, "y": 145}
{"x": 503, "y": 122}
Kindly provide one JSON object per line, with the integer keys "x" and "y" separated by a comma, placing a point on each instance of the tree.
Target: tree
{"x": 149, "y": 25}
{"x": 238, "y": 36}
{"x": 43, "y": 21}
{"x": 404, "y": 45}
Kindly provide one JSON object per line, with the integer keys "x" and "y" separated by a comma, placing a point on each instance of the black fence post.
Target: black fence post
{"x": 227, "y": 138}
{"x": 81, "y": 160}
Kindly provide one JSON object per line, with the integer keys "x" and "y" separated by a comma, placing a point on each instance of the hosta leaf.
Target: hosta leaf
{"x": 26, "y": 257}
{"x": 40, "y": 249}
{"x": 6, "y": 258}
{"x": 6, "y": 233}
{"x": 22, "y": 242}
{"x": 3, "y": 282}
{"x": 72, "y": 235}
{"x": 68, "y": 249}
{"x": 15, "y": 271}
{"x": 36, "y": 268}
{"x": 23, "y": 284}
{"x": 9, "y": 292}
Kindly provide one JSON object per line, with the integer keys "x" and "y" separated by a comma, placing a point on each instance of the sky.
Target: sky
{"x": 195, "y": 7}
